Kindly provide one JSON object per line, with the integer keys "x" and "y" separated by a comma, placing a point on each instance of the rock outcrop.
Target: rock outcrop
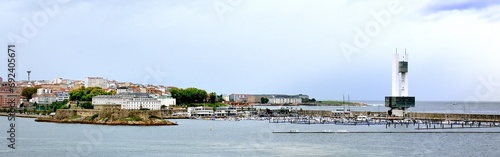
{"x": 108, "y": 117}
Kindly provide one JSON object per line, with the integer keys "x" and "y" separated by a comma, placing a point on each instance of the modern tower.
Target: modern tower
{"x": 400, "y": 100}
{"x": 29, "y": 72}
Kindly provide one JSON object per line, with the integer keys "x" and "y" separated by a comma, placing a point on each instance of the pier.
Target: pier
{"x": 419, "y": 121}
{"x": 411, "y": 115}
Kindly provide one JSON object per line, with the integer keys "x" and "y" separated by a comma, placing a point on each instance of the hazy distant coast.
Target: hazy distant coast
{"x": 319, "y": 103}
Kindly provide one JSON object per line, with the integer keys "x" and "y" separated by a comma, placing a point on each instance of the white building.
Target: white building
{"x": 95, "y": 82}
{"x": 44, "y": 99}
{"x": 61, "y": 96}
{"x": 41, "y": 91}
{"x": 123, "y": 90}
{"x": 57, "y": 80}
{"x": 166, "y": 100}
{"x": 128, "y": 101}
{"x": 225, "y": 97}
{"x": 200, "y": 111}
{"x": 141, "y": 103}
{"x": 226, "y": 111}
{"x": 285, "y": 100}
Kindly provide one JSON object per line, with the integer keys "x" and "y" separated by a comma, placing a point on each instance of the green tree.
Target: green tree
{"x": 28, "y": 92}
{"x": 264, "y": 100}
{"x": 188, "y": 95}
{"x": 86, "y": 94}
{"x": 201, "y": 96}
{"x": 86, "y": 105}
{"x": 213, "y": 97}
{"x": 59, "y": 105}
{"x": 177, "y": 94}
{"x": 305, "y": 100}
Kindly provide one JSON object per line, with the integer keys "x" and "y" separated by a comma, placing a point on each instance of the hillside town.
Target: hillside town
{"x": 132, "y": 96}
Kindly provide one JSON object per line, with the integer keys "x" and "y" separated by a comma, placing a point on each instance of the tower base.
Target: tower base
{"x": 399, "y": 102}
{"x": 397, "y": 112}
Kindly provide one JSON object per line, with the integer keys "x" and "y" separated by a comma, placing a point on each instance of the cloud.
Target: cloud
{"x": 287, "y": 47}
{"x": 439, "y": 6}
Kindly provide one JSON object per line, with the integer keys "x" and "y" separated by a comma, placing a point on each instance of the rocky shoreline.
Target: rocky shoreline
{"x": 156, "y": 122}
{"x": 107, "y": 117}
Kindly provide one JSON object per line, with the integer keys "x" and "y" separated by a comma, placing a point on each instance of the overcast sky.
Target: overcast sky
{"x": 321, "y": 48}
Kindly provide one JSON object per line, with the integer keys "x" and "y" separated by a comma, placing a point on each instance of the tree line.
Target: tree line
{"x": 188, "y": 95}
{"x": 86, "y": 94}
{"x": 193, "y": 95}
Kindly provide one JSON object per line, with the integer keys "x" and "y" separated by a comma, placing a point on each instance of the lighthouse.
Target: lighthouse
{"x": 399, "y": 101}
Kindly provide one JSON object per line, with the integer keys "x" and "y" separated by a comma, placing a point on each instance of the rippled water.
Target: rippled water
{"x": 239, "y": 138}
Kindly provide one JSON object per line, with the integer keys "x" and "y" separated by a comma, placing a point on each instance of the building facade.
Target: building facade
{"x": 5, "y": 97}
{"x": 126, "y": 101}
{"x": 96, "y": 82}
{"x": 62, "y": 95}
{"x": 273, "y": 98}
{"x": 167, "y": 101}
{"x": 238, "y": 97}
{"x": 44, "y": 99}
{"x": 200, "y": 111}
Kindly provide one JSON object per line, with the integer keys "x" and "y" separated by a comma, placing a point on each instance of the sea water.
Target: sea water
{"x": 239, "y": 138}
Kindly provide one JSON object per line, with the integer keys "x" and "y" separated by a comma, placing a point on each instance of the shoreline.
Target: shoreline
{"x": 24, "y": 115}
{"x": 115, "y": 123}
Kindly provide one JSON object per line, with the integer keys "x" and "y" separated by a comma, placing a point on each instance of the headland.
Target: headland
{"x": 107, "y": 117}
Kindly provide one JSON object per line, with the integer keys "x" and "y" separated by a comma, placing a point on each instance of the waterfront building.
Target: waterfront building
{"x": 200, "y": 111}
{"x": 141, "y": 103}
{"x": 178, "y": 112}
{"x": 285, "y": 99}
{"x": 238, "y": 97}
{"x": 224, "y": 111}
{"x": 126, "y": 101}
{"x": 341, "y": 112}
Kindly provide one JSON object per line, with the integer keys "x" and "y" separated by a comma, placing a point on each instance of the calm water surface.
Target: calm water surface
{"x": 238, "y": 138}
